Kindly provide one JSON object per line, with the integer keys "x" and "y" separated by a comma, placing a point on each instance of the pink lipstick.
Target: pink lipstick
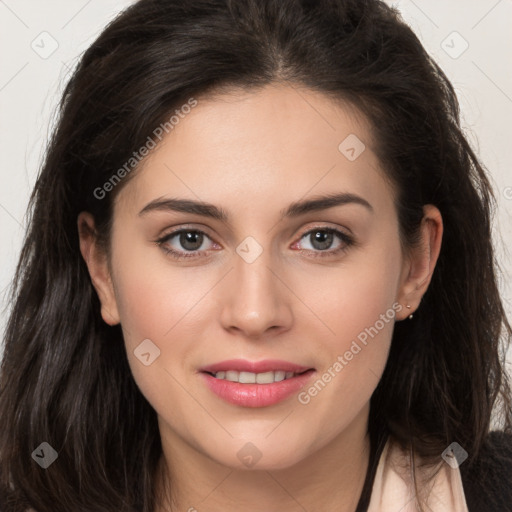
{"x": 255, "y": 384}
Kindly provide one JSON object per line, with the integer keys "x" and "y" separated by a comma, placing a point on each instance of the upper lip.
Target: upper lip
{"x": 267, "y": 365}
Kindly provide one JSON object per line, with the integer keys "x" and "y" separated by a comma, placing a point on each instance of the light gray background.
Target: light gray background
{"x": 40, "y": 42}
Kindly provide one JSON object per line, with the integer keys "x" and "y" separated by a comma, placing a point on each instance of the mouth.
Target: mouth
{"x": 255, "y": 384}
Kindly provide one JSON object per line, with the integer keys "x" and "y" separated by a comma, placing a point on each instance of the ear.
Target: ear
{"x": 97, "y": 264}
{"x": 420, "y": 263}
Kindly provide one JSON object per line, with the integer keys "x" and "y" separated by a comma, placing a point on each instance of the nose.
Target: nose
{"x": 255, "y": 299}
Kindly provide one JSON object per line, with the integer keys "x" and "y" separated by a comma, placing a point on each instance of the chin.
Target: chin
{"x": 259, "y": 455}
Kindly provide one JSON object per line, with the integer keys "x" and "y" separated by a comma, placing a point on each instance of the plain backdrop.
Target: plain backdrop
{"x": 40, "y": 42}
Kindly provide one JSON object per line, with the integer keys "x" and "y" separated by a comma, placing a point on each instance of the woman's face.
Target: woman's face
{"x": 271, "y": 282}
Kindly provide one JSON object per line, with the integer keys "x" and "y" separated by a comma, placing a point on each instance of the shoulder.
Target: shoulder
{"x": 488, "y": 480}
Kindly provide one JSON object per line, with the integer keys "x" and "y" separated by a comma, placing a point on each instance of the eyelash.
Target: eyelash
{"x": 347, "y": 240}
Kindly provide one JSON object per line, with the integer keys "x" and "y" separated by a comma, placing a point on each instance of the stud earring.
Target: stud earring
{"x": 409, "y": 307}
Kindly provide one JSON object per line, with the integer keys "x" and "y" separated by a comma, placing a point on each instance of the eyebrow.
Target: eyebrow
{"x": 295, "y": 209}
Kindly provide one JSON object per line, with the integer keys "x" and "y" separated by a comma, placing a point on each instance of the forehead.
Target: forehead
{"x": 257, "y": 148}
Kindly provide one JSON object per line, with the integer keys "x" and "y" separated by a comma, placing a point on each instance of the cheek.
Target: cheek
{"x": 357, "y": 349}
{"x": 356, "y": 297}
{"x": 358, "y": 308}
{"x": 154, "y": 295}
{"x": 172, "y": 306}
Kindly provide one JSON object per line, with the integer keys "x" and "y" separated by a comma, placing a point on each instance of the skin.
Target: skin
{"x": 253, "y": 154}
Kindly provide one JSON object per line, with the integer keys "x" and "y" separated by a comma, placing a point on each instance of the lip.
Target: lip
{"x": 256, "y": 395}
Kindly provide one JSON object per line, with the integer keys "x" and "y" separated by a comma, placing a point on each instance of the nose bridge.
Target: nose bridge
{"x": 254, "y": 300}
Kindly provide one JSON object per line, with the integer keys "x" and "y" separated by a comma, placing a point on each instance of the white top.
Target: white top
{"x": 393, "y": 487}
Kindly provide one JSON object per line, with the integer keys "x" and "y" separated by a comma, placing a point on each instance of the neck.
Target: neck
{"x": 330, "y": 478}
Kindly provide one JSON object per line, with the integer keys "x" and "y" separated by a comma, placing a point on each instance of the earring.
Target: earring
{"x": 409, "y": 307}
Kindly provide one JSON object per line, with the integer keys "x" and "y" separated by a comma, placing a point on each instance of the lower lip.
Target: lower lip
{"x": 256, "y": 395}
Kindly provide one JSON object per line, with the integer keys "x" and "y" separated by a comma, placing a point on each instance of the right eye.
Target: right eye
{"x": 182, "y": 241}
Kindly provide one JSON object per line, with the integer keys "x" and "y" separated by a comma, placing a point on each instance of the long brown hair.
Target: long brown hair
{"x": 65, "y": 378}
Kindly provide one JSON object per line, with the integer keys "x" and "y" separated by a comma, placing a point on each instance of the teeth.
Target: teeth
{"x": 253, "y": 378}
{"x": 265, "y": 378}
{"x": 279, "y": 375}
{"x": 247, "y": 378}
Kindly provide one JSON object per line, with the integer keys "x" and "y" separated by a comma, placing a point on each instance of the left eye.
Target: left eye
{"x": 321, "y": 239}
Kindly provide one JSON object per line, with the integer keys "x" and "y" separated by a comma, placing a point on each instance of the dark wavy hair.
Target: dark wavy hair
{"x": 65, "y": 377}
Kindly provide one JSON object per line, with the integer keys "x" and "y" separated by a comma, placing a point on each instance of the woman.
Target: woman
{"x": 258, "y": 275}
